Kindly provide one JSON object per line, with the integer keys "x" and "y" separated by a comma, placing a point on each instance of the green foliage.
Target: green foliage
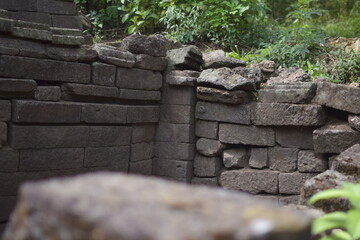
{"x": 341, "y": 225}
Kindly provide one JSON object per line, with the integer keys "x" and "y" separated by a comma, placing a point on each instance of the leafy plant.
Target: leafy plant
{"x": 342, "y": 225}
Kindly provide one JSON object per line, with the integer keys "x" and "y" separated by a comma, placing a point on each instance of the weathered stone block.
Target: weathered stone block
{"x": 173, "y": 169}
{"x": 116, "y": 56}
{"x": 224, "y": 113}
{"x": 142, "y": 151}
{"x": 5, "y": 110}
{"x": 48, "y": 93}
{"x": 283, "y": 159}
{"x": 6, "y": 25}
{"x": 36, "y": 17}
{"x": 23, "y": 137}
{"x": 138, "y": 79}
{"x": 141, "y": 95}
{"x": 140, "y": 44}
{"x": 354, "y": 122}
{"x": 51, "y": 159}
{"x": 17, "y": 46}
{"x": 288, "y": 200}
{"x": 282, "y": 114}
{"x": 247, "y": 135}
{"x": 109, "y": 136}
{"x": 338, "y": 96}
{"x": 335, "y": 138}
{"x": 259, "y": 158}
{"x": 143, "y": 114}
{"x": 291, "y": 183}
{"x": 252, "y": 181}
{"x": 9, "y": 160}
{"x": 297, "y": 137}
{"x": 348, "y": 162}
{"x": 207, "y": 166}
{"x": 223, "y": 96}
{"x": 207, "y": 129}
{"x": 150, "y": 203}
{"x": 7, "y": 206}
{"x": 46, "y": 70}
{"x": 69, "y": 54}
{"x": 82, "y": 90}
{"x": 168, "y": 132}
{"x": 143, "y": 133}
{"x": 3, "y": 134}
{"x": 151, "y": 63}
{"x": 67, "y": 40}
{"x": 30, "y": 33}
{"x": 186, "y": 58}
{"x": 210, "y": 147}
{"x": 61, "y": 21}
{"x": 173, "y": 95}
{"x": 182, "y": 78}
{"x": 302, "y": 92}
{"x": 210, "y": 182}
{"x": 235, "y": 158}
{"x": 57, "y": 7}
{"x": 103, "y": 113}
{"x": 179, "y": 114}
{"x": 309, "y": 161}
{"x": 174, "y": 150}
{"x": 103, "y": 74}
{"x": 218, "y": 59}
{"x": 45, "y": 112}
{"x": 117, "y": 157}
{"x": 17, "y": 88}
{"x": 142, "y": 167}
{"x": 19, "y": 5}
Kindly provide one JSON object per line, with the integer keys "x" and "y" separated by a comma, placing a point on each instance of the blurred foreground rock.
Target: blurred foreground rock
{"x": 115, "y": 206}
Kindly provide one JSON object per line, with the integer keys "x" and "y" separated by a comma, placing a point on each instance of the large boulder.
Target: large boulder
{"x": 348, "y": 162}
{"x": 185, "y": 58}
{"x": 140, "y": 44}
{"x": 218, "y": 59}
{"x": 287, "y": 75}
{"x": 114, "y": 206}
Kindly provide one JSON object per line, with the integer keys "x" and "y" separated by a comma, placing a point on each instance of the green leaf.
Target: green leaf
{"x": 342, "y": 235}
{"x": 331, "y": 193}
{"x": 329, "y": 221}
{"x": 353, "y": 223}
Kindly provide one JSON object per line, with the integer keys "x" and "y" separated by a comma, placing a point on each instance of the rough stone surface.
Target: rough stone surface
{"x": 288, "y": 93}
{"x": 209, "y": 182}
{"x": 291, "y": 183}
{"x": 3, "y": 134}
{"x": 235, "y": 157}
{"x": 17, "y": 88}
{"x": 266, "y": 66}
{"x": 112, "y": 55}
{"x": 287, "y": 200}
{"x": 45, "y": 70}
{"x": 354, "y": 122}
{"x": 186, "y": 58}
{"x": 9, "y": 160}
{"x": 141, "y": 168}
{"x": 282, "y": 114}
{"x": 327, "y": 180}
{"x": 168, "y": 132}
{"x": 247, "y": 135}
{"x": 5, "y": 110}
{"x": 51, "y": 159}
{"x": 103, "y": 113}
{"x": 23, "y": 137}
{"x": 207, "y": 129}
{"x": 18, "y": 46}
{"x": 297, "y": 137}
{"x": 218, "y": 59}
{"x": 173, "y": 169}
{"x": 62, "y": 21}
{"x": 177, "y": 114}
{"x": 335, "y": 138}
{"x": 310, "y": 162}
{"x": 83, "y": 90}
{"x": 143, "y": 114}
{"x": 138, "y": 79}
{"x": 224, "y": 113}
{"x": 207, "y": 166}
{"x": 259, "y": 158}
{"x": 178, "y": 95}
{"x": 143, "y": 133}
{"x": 7, "y": 206}
{"x": 252, "y": 181}
{"x": 287, "y": 75}
{"x": 109, "y": 136}
{"x": 150, "y": 203}
{"x": 62, "y": 53}
{"x": 140, "y": 95}
{"x": 348, "y": 162}
{"x": 142, "y": 151}
{"x": 141, "y": 44}
{"x": 210, "y": 147}
{"x": 45, "y": 112}
{"x": 48, "y": 93}
{"x": 117, "y": 157}
{"x": 67, "y": 40}
{"x": 32, "y": 33}
{"x": 226, "y": 78}
{"x": 151, "y": 63}
{"x": 338, "y": 96}
{"x": 182, "y": 78}
{"x": 283, "y": 159}
{"x": 103, "y": 74}
{"x": 223, "y": 96}
{"x": 175, "y": 150}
